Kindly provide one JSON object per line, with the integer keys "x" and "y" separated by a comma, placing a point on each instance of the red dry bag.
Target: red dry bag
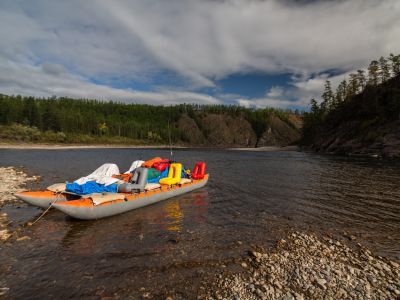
{"x": 199, "y": 170}
{"x": 161, "y": 165}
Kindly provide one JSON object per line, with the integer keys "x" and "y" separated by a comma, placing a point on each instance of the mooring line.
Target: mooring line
{"x": 51, "y": 204}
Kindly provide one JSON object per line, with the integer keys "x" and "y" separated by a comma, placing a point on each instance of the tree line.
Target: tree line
{"x": 378, "y": 72}
{"x": 102, "y": 119}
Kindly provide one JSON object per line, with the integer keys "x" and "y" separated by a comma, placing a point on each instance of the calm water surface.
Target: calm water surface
{"x": 166, "y": 248}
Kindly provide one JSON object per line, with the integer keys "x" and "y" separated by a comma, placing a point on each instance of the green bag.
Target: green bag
{"x": 153, "y": 173}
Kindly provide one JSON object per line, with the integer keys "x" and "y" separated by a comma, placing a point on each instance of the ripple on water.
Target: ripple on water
{"x": 250, "y": 197}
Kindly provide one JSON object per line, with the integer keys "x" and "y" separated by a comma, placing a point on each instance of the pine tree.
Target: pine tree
{"x": 385, "y": 69}
{"x": 353, "y": 86}
{"x": 30, "y": 112}
{"x": 341, "y": 92}
{"x": 328, "y": 97}
{"x": 373, "y": 73}
{"x": 314, "y": 106}
{"x": 362, "y": 81}
{"x": 395, "y": 64}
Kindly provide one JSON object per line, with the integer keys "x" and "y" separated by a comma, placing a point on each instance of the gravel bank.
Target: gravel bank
{"x": 305, "y": 266}
{"x": 12, "y": 181}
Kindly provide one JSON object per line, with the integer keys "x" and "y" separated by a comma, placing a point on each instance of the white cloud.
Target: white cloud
{"x": 268, "y": 102}
{"x": 199, "y": 40}
{"x": 275, "y": 91}
{"x": 38, "y": 81}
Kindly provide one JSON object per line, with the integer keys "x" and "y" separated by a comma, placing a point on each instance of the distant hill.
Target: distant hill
{"x": 366, "y": 123}
{"x": 64, "y": 120}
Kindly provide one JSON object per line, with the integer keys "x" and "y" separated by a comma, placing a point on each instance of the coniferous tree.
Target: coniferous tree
{"x": 395, "y": 64}
{"x": 31, "y": 113}
{"x": 341, "y": 92}
{"x": 314, "y": 106}
{"x": 384, "y": 69}
{"x": 362, "y": 81}
{"x": 373, "y": 73}
{"x": 353, "y": 86}
{"x": 328, "y": 97}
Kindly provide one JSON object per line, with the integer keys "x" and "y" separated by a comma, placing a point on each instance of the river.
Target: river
{"x": 252, "y": 198}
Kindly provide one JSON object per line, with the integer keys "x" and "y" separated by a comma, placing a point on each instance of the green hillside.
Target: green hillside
{"x": 64, "y": 120}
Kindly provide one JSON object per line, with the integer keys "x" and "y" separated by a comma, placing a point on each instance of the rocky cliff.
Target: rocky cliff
{"x": 368, "y": 123}
{"x": 224, "y": 130}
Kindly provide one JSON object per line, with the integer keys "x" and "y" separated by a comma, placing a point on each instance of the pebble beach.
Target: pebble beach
{"x": 307, "y": 266}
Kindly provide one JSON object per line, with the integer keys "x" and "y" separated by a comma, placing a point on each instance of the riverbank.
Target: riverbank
{"x": 12, "y": 181}
{"x": 307, "y": 266}
{"x": 80, "y": 146}
{"x": 267, "y": 149}
{"x": 117, "y": 146}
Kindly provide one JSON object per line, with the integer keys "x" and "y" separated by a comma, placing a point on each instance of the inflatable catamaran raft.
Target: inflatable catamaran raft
{"x": 142, "y": 186}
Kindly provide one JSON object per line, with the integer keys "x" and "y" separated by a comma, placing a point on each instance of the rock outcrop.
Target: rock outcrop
{"x": 224, "y": 130}
{"x": 367, "y": 124}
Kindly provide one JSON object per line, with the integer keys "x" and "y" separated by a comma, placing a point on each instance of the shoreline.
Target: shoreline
{"x": 307, "y": 265}
{"x": 13, "y": 180}
{"x": 23, "y": 146}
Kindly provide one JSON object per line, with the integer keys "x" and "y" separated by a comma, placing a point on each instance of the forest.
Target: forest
{"x": 66, "y": 120}
{"x": 364, "y": 99}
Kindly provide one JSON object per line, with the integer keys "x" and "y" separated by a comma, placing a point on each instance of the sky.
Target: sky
{"x": 255, "y": 53}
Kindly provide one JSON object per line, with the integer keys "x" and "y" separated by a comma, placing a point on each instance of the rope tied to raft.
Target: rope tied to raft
{"x": 58, "y": 194}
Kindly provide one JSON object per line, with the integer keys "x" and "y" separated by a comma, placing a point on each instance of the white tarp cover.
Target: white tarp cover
{"x": 136, "y": 164}
{"x": 102, "y": 175}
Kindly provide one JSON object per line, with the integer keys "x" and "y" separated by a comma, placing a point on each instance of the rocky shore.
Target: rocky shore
{"x": 306, "y": 266}
{"x": 12, "y": 181}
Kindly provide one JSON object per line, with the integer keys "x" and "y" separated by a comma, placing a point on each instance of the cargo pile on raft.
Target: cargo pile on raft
{"x": 107, "y": 192}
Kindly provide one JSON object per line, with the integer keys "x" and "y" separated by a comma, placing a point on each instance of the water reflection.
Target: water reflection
{"x": 174, "y": 216}
{"x": 250, "y": 197}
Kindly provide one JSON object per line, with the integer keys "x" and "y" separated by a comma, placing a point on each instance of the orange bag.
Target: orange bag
{"x": 124, "y": 177}
{"x": 149, "y": 163}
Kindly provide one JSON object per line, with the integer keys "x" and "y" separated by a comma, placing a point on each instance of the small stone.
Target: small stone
{"x": 341, "y": 294}
{"x": 299, "y": 296}
{"x": 256, "y": 254}
{"x": 359, "y": 288}
{"x": 321, "y": 283}
{"x": 338, "y": 272}
{"x": 4, "y": 290}
{"x": 277, "y": 284}
{"x": 4, "y": 235}
{"x": 288, "y": 296}
{"x": 23, "y": 238}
